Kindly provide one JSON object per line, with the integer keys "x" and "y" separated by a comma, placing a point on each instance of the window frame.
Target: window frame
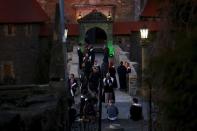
{"x": 10, "y": 30}
{"x": 28, "y": 30}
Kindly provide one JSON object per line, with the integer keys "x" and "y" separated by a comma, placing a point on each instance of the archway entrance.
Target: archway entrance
{"x": 96, "y": 29}
{"x": 96, "y": 36}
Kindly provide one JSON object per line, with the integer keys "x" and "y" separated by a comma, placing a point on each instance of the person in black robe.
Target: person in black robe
{"x": 104, "y": 69}
{"x": 80, "y": 56}
{"x": 87, "y": 66}
{"x": 106, "y": 55}
{"x": 108, "y": 93}
{"x": 122, "y": 72}
{"x": 72, "y": 115}
{"x": 94, "y": 80}
{"x": 97, "y": 67}
{"x": 112, "y": 72}
{"x": 136, "y": 110}
{"x": 72, "y": 84}
{"x": 92, "y": 55}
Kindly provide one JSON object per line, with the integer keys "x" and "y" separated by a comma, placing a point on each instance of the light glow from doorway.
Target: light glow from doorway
{"x": 111, "y": 48}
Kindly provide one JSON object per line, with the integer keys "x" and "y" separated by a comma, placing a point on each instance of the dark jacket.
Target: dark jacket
{"x": 136, "y": 112}
{"x": 108, "y": 84}
{"x": 112, "y": 111}
{"x": 112, "y": 71}
{"x": 92, "y": 55}
{"x": 72, "y": 86}
{"x": 122, "y": 71}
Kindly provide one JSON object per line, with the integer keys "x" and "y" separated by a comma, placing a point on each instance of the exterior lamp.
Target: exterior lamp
{"x": 144, "y": 43}
{"x": 79, "y": 16}
{"x": 109, "y": 15}
{"x": 65, "y": 35}
{"x": 144, "y": 32}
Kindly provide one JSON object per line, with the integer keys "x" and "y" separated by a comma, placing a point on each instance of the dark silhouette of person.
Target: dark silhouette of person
{"x": 72, "y": 114}
{"x": 94, "y": 80}
{"x": 89, "y": 111}
{"x": 97, "y": 67}
{"x": 122, "y": 72}
{"x": 104, "y": 69}
{"x": 106, "y": 55}
{"x": 112, "y": 72}
{"x": 127, "y": 65}
{"x": 92, "y": 55}
{"x": 80, "y": 56}
{"x": 82, "y": 104}
{"x": 108, "y": 88}
{"x": 72, "y": 84}
{"x": 136, "y": 110}
{"x": 87, "y": 66}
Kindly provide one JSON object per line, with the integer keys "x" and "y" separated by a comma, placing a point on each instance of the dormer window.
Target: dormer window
{"x": 10, "y": 30}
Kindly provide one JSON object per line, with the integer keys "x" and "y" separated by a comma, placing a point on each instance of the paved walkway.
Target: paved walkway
{"x": 123, "y": 102}
{"x": 127, "y": 124}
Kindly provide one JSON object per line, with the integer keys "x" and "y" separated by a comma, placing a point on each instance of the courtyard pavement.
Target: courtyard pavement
{"x": 123, "y": 102}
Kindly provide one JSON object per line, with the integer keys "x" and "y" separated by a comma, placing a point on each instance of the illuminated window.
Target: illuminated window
{"x": 7, "y": 73}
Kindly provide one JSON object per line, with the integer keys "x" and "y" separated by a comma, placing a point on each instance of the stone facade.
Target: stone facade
{"x": 131, "y": 44}
{"x": 124, "y": 9}
{"x": 21, "y": 51}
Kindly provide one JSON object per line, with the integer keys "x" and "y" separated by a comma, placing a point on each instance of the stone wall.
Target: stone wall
{"x": 43, "y": 62}
{"x": 21, "y": 51}
{"x": 132, "y": 77}
{"x": 123, "y": 9}
{"x": 130, "y": 44}
{"x": 33, "y": 107}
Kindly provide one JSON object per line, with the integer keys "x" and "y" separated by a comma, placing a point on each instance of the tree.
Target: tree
{"x": 173, "y": 67}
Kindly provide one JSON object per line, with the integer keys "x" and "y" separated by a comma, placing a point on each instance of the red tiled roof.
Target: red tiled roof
{"x": 21, "y": 11}
{"x": 150, "y": 9}
{"x": 73, "y": 29}
{"x": 121, "y": 28}
{"x": 125, "y": 28}
{"x": 151, "y": 25}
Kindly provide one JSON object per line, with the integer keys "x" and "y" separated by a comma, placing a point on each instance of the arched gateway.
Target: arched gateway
{"x": 96, "y": 28}
{"x": 96, "y": 36}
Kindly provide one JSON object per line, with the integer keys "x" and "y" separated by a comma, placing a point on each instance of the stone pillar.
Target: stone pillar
{"x": 144, "y": 64}
{"x": 144, "y": 58}
{"x": 82, "y": 33}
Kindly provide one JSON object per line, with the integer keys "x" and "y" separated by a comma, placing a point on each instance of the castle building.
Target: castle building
{"x": 109, "y": 22}
{"x": 22, "y": 32}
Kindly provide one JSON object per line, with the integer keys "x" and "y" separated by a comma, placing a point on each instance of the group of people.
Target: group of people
{"x": 95, "y": 78}
{"x": 135, "y": 111}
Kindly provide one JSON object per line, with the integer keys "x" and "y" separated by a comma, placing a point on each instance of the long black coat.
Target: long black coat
{"x": 122, "y": 72}
{"x": 112, "y": 72}
{"x": 72, "y": 86}
{"x": 92, "y": 56}
{"x": 136, "y": 112}
{"x": 80, "y": 55}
